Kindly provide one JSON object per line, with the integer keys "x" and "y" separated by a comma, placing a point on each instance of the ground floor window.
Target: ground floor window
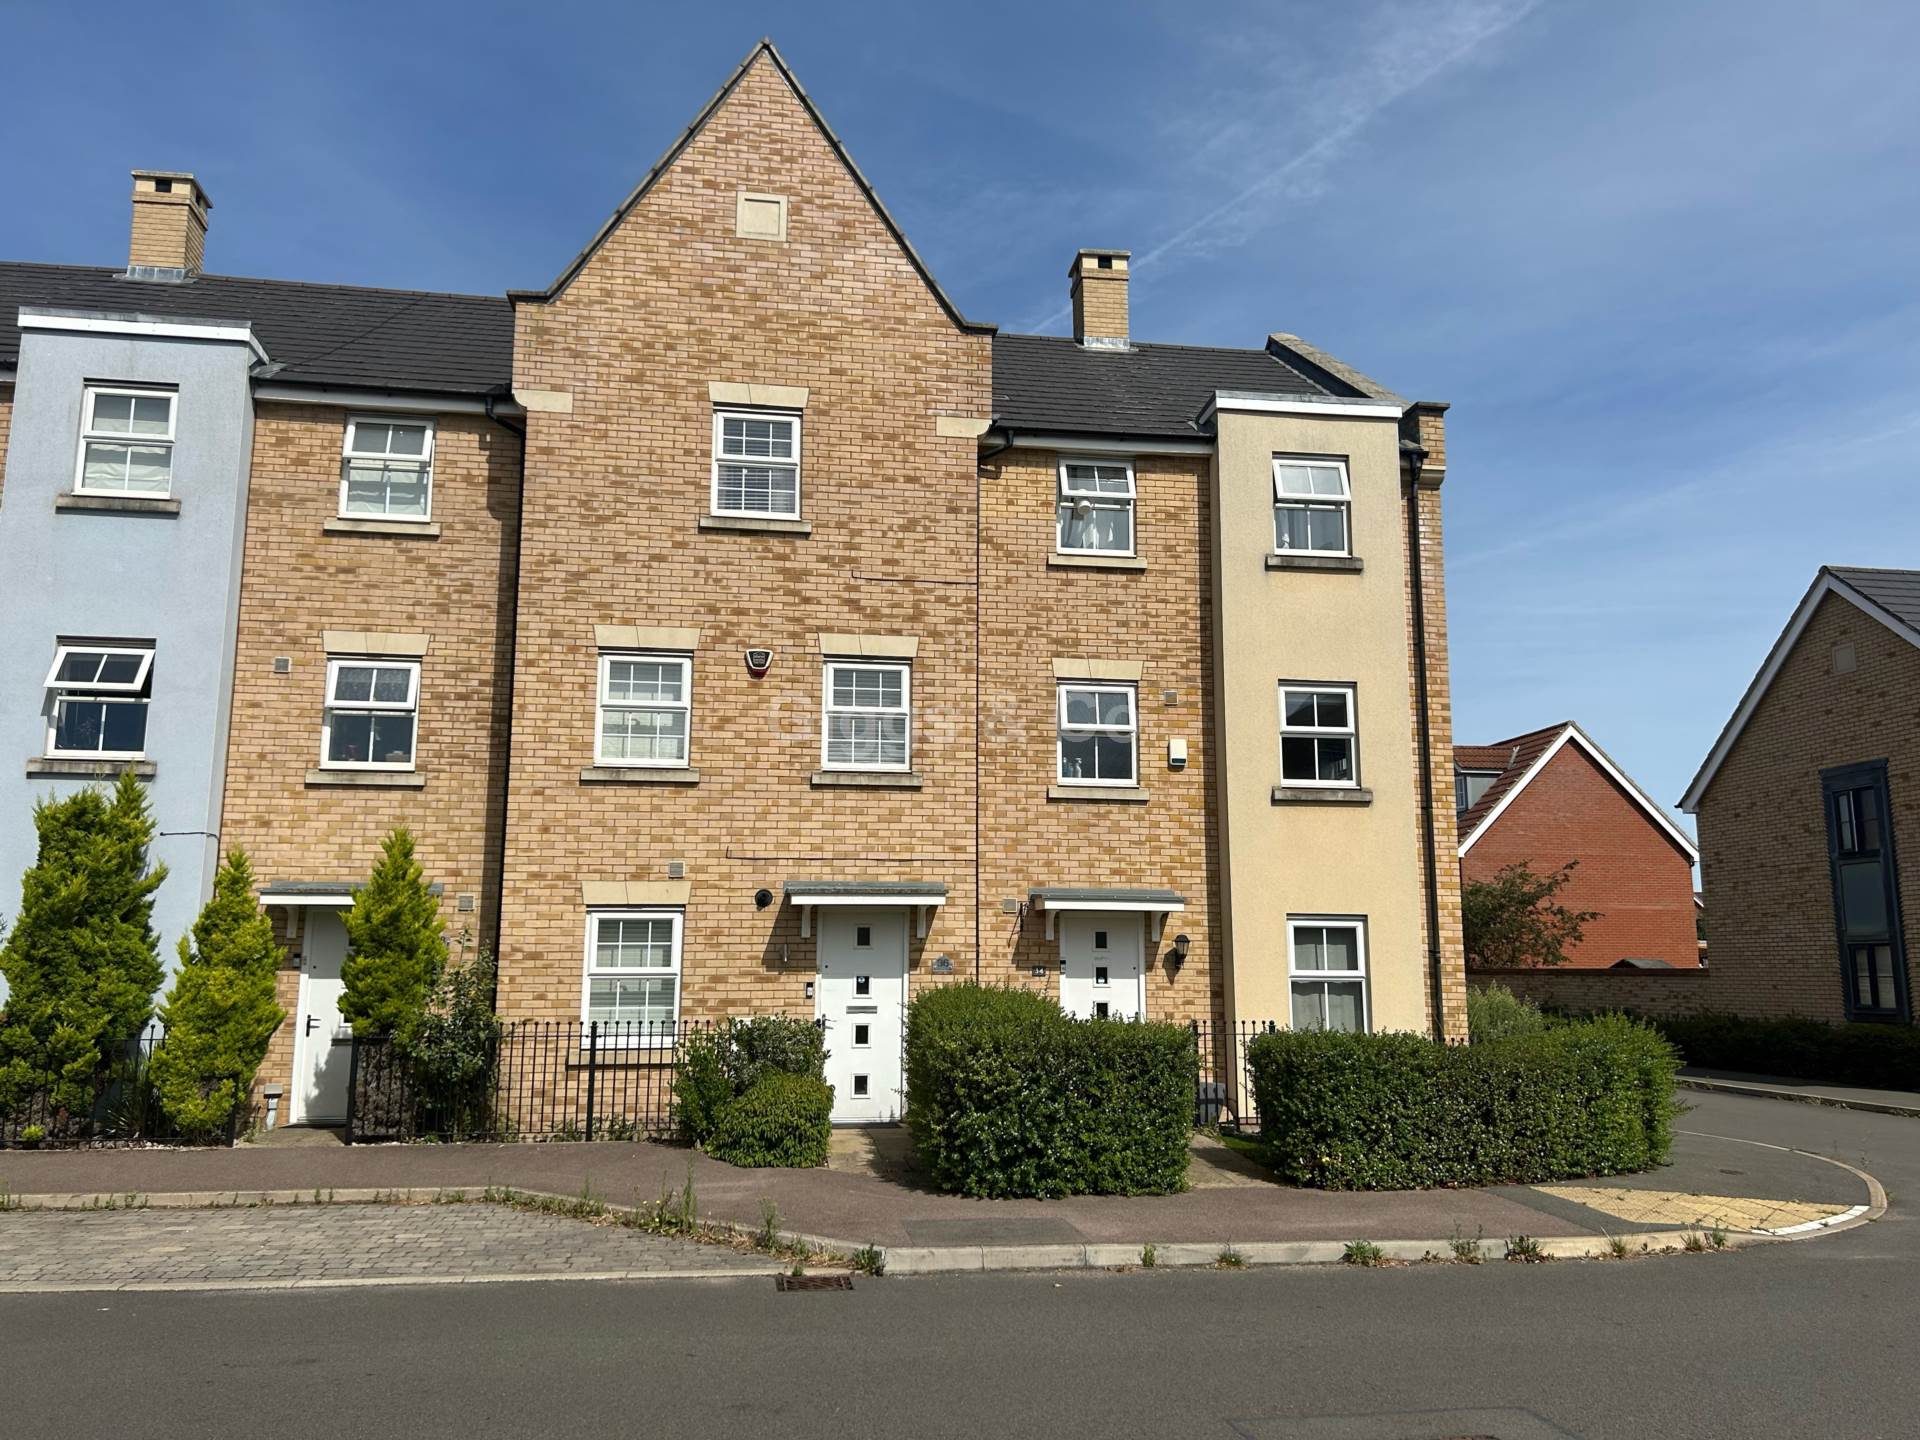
{"x": 633, "y": 970}
{"x": 1327, "y": 970}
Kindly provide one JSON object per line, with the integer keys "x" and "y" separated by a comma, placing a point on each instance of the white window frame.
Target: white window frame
{"x": 1356, "y": 923}
{"x": 828, "y": 710}
{"x": 349, "y": 454}
{"x": 90, "y": 435}
{"x": 632, "y": 1034}
{"x": 1100, "y": 500}
{"x": 113, "y": 691}
{"x": 336, "y": 663}
{"x": 720, "y": 457}
{"x": 1350, "y": 732}
{"x": 684, "y": 706}
{"x": 1062, "y": 728}
{"x": 1342, "y": 502}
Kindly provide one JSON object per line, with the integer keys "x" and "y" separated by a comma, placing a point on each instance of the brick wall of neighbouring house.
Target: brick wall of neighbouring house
{"x": 1159, "y": 617}
{"x": 1763, "y": 838}
{"x": 298, "y": 582}
{"x": 6, "y": 426}
{"x": 1586, "y": 992}
{"x": 670, "y": 303}
{"x": 1631, "y": 872}
{"x": 1430, "y": 429}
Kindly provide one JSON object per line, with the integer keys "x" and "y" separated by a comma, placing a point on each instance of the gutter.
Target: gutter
{"x": 1429, "y": 839}
{"x": 519, "y": 431}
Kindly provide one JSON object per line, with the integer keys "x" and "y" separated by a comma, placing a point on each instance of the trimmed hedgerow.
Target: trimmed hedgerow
{"x": 1009, "y": 1096}
{"x": 1495, "y": 1013}
{"x": 1881, "y": 1056}
{"x": 783, "y": 1119}
{"x": 718, "y": 1066}
{"x": 1398, "y": 1112}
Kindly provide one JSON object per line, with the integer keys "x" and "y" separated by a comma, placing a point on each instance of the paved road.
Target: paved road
{"x": 1807, "y": 1339}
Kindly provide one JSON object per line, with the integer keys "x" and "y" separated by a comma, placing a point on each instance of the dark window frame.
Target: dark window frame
{"x": 1845, "y": 780}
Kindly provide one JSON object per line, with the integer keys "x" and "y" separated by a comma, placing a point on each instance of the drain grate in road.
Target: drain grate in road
{"x": 813, "y": 1282}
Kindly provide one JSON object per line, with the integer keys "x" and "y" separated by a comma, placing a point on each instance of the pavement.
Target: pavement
{"x": 870, "y": 1195}
{"x": 1786, "y": 1340}
{"x": 1781, "y": 1087}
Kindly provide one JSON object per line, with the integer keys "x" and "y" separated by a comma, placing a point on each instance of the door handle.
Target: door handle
{"x": 312, "y": 1020}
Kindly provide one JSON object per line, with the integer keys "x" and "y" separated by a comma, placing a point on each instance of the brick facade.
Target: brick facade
{"x": 1630, "y": 870}
{"x": 6, "y": 425}
{"x": 1664, "y": 993}
{"x": 1763, "y": 839}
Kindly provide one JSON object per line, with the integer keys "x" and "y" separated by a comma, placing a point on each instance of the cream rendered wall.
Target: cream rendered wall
{"x": 1315, "y": 859}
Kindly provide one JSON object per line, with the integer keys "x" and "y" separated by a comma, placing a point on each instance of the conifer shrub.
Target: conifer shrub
{"x": 396, "y": 946}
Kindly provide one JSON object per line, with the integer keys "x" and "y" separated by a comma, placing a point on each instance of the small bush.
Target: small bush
{"x": 721, "y": 1065}
{"x": 783, "y": 1120}
{"x": 1398, "y": 1112}
{"x": 1883, "y": 1057}
{"x": 1009, "y": 1096}
{"x": 1363, "y": 1252}
{"x": 1494, "y": 1012}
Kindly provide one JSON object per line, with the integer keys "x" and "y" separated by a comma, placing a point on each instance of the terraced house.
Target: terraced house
{"x": 740, "y": 627}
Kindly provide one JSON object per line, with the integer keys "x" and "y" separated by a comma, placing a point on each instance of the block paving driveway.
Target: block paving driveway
{"x": 313, "y": 1246}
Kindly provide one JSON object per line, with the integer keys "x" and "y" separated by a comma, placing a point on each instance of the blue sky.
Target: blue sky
{"x": 1661, "y": 258}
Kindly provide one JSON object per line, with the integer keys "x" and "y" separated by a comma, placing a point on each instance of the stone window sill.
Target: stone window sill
{"x": 1314, "y": 795}
{"x": 638, "y": 775}
{"x": 91, "y": 769}
{"x": 1100, "y": 794}
{"x": 1350, "y": 564}
{"x": 405, "y": 529}
{"x": 372, "y": 779}
{"x": 117, "y": 504}
{"x": 868, "y": 780}
{"x": 750, "y": 525}
{"x": 1096, "y": 562}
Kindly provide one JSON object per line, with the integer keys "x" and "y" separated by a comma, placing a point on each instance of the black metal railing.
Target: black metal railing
{"x": 543, "y": 1080}
{"x": 1224, "y": 1095}
{"x": 114, "y": 1103}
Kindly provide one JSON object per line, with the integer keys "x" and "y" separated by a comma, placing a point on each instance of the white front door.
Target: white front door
{"x": 860, "y": 995}
{"x": 322, "y": 1048}
{"x": 1101, "y": 964}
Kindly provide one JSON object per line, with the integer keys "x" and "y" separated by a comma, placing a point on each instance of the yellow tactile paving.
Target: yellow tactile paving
{"x": 1673, "y": 1207}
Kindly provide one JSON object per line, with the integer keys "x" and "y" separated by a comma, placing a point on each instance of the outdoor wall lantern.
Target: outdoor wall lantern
{"x": 762, "y": 899}
{"x": 1181, "y": 944}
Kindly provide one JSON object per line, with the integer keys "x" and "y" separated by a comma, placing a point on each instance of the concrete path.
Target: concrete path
{"x": 1776, "y": 1087}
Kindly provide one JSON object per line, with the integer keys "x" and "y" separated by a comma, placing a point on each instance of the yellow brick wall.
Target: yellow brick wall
{"x": 6, "y": 426}
{"x": 299, "y": 581}
{"x": 670, "y": 303}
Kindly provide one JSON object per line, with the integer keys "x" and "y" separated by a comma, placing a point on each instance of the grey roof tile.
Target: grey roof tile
{"x": 1894, "y": 590}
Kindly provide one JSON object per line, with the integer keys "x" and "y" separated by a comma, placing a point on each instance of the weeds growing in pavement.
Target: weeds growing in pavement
{"x": 8, "y": 1200}
{"x": 1363, "y": 1252}
{"x": 1229, "y": 1259}
{"x": 1148, "y": 1256}
{"x": 1525, "y": 1249}
{"x": 1693, "y": 1242}
{"x": 1617, "y": 1246}
{"x": 1717, "y": 1237}
{"x": 1466, "y": 1251}
{"x": 769, "y": 1237}
{"x": 871, "y": 1260}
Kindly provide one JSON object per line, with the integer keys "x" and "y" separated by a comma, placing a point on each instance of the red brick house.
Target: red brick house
{"x": 1552, "y": 796}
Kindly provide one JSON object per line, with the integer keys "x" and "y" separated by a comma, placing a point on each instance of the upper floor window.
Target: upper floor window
{"x": 1099, "y": 731}
{"x": 370, "y": 714}
{"x": 1469, "y": 786}
{"x": 633, "y": 972}
{"x": 756, "y": 464}
{"x": 868, "y": 716}
{"x": 1327, "y": 973}
{"x": 100, "y": 693}
{"x": 126, "y": 442}
{"x": 1318, "y": 739}
{"x": 646, "y": 705}
{"x": 1096, "y": 507}
{"x": 1311, "y": 500}
{"x": 387, "y": 469}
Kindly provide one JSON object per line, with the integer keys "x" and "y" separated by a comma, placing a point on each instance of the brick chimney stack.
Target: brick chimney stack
{"x": 169, "y": 240}
{"x": 1100, "y": 298}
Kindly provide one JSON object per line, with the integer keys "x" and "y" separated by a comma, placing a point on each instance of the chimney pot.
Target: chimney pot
{"x": 1100, "y": 298}
{"x": 169, "y": 237}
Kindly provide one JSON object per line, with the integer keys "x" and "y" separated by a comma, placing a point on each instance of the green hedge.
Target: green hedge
{"x": 1398, "y": 1112}
{"x": 718, "y": 1066}
{"x": 1495, "y": 1013}
{"x": 1881, "y": 1056}
{"x": 1009, "y": 1096}
{"x": 782, "y": 1120}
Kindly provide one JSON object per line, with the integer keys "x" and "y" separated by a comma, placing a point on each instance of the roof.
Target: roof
{"x": 314, "y": 334}
{"x": 764, "y": 48}
{"x": 1890, "y": 596}
{"x": 1055, "y": 384}
{"x": 1527, "y": 755}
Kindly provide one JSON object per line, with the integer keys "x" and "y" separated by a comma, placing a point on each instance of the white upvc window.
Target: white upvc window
{"x": 632, "y": 980}
{"x": 756, "y": 464}
{"x": 1319, "y": 743}
{"x": 386, "y": 469}
{"x": 1096, "y": 507}
{"x": 1312, "y": 505}
{"x": 99, "y": 696}
{"x": 126, "y": 442}
{"x": 1099, "y": 734}
{"x": 370, "y": 715}
{"x": 1327, "y": 972}
{"x": 867, "y": 716}
{"x": 646, "y": 704}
